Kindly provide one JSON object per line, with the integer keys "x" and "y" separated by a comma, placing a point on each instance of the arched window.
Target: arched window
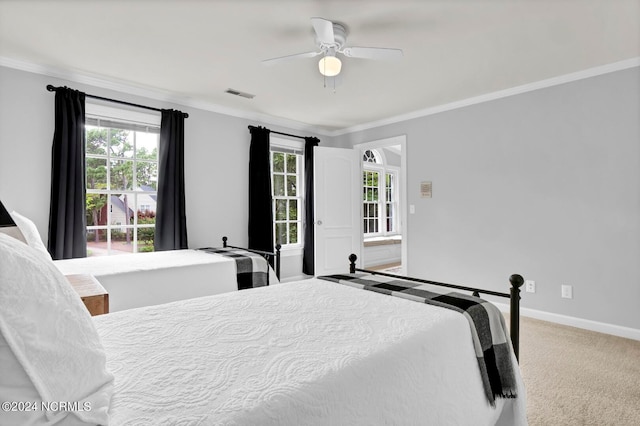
{"x": 379, "y": 195}
{"x": 371, "y": 156}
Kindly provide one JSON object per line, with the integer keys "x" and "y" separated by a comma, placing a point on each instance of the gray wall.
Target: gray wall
{"x": 216, "y": 159}
{"x": 545, "y": 184}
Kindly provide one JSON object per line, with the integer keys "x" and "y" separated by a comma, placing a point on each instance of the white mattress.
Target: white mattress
{"x": 303, "y": 353}
{"x": 144, "y": 279}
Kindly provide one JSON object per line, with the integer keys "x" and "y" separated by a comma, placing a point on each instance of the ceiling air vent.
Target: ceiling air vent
{"x": 239, "y": 93}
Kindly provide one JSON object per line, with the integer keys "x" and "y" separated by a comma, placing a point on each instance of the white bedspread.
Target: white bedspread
{"x": 125, "y": 263}
{"x": 304, "y": 353}
{"x": 144, "y": 279}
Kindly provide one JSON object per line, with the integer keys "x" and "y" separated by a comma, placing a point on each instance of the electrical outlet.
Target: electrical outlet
{"x": 530, "y": 286}
{"x": 567, "y": 292}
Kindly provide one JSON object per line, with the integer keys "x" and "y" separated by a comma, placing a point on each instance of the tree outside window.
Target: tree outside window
{"x": 286, "y": 173}
{"x": 121, "y": 175}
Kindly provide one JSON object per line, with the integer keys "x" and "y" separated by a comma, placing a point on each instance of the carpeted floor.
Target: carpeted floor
{"x": 578, "y": 377}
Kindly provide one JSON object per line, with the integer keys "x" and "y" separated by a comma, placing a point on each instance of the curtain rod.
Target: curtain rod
{"x": 52, "y": 88}
{"x": 280, "y": 133}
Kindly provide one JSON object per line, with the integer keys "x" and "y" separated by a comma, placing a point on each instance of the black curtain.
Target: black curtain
{"x": 260, "y": 210}
{"x": 171, "y": 218}
{"x": 309, "y": 234}
{"x": 67, "y": 213}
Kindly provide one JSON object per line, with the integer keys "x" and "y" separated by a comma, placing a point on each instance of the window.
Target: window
{"x": 122, "y": 176}
{"x": 287, "y": 164}
{"x": 379, "y": 195}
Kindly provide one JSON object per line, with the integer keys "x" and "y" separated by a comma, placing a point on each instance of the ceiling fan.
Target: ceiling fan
{"x": 330, "y": 39}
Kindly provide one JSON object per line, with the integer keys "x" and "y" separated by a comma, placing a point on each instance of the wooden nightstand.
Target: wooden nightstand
{"x": 93, "y": 295}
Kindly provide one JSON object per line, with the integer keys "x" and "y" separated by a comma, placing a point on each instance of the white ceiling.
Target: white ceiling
{"x": 196, "y": 49}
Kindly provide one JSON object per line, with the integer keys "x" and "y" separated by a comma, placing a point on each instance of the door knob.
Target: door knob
{"x": 319, "y": 223}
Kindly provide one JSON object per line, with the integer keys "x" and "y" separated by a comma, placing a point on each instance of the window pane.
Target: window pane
{"x": 121, "y": 207}
{"x": 281, "y": 233}
{"x": 133, "y": 167}
{"x": 278, "y": 185}
{"x": 293, "y": 233}
{"x": 145, "y": 239}
{"x": 121, "y": 174}
{"x": 375, "y": 194}
{"x": 292, "y": 183}
{"x": 121, "y": 143}
{"x": 285, "y": 169}
{"x": 291, "y": 163}
{"x": 97, "y": 242}
{"x": 96, "y": 209}
{"x": 147, "y": 175}
{"x": 281, "y": 209}
{"x": 96, "y": 140}
{"x": 278, "y": 162}
{"x": 146, "y": 208}
{"x": 147, "y": 146}
{"x": 121, "y": 240}
{"x": 96, "y": 173}
{"x": 369, "y": 194}
{"x": 293, "y": 209}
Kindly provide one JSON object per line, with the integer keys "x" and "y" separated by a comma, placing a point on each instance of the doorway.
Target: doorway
{"x": 384, "y": 206}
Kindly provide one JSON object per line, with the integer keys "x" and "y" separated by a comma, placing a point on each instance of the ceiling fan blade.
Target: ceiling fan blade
{"x": 372, "y": 53}
{"x": 324, "y": 30}
{"x": 290, "y": 57}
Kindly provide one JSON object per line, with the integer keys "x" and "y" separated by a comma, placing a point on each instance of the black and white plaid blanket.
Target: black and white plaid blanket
{"x": 488, "y": 328}
{"x": 252, "y": 269}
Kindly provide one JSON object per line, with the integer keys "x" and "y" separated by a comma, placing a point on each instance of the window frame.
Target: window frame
{"x": 137, "y": 121}
{"x": 288, "y": 146}
{"x": 382, "y": 169}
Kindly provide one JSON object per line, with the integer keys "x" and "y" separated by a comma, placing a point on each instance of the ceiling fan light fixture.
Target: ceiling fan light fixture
{"x": 330, "y": 66}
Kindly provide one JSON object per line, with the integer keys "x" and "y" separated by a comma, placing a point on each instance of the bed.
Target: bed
{"x": 312, "y": 352}
{"x": 143, "y": 279}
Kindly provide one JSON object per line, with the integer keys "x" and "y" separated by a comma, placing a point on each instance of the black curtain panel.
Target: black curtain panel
{"x": 260, "y": 210}
{"x": 309, "y": 234}
{"x": 67, "y": 214}
{"x": 171, "y": 218}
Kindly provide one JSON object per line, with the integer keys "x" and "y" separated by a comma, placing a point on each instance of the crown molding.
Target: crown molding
{"x": 529, "y": 87}
{"x": 155, "y": 94}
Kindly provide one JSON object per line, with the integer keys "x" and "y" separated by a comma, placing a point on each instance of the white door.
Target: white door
{"x": 338, "y": 195}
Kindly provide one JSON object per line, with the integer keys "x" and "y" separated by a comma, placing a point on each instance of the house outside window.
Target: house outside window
{"x": 379, "y": 196}
{"x": 122, "y": 177}
{"x": 287, "y": 183}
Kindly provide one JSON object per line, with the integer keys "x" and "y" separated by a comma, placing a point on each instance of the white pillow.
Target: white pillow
{"x": 50, "y": 333}
{"x": 30, "y": 232}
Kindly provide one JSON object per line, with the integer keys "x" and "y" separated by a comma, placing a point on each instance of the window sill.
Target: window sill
{"x": 382, "y": 241}
{"x": 291, "y": 251}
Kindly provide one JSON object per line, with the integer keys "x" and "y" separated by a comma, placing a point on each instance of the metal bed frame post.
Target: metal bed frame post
{"x": 266, "y": 254}
{"x": 516, "y": 282}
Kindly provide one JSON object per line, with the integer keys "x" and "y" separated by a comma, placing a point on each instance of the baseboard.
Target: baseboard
{"x": 600, "y": 327}
{"x": 295, "y": 278}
